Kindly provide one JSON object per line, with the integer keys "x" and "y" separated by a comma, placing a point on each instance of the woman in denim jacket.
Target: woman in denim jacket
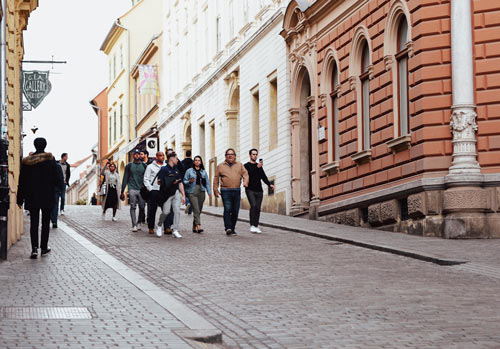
{"x": 196, "y": 183}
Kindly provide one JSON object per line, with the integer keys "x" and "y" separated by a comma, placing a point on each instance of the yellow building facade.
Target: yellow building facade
{"x": 17, "y": 13}
{"x": 124, "y": 45}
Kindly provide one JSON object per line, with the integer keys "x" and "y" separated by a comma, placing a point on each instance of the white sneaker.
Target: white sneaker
{"x": 159, "y": 231}
{"x": 176, "y": 234}
{"x": 138, "y": 226}
{"x": 62, "y": 212}
{"x": 114, "y": 219}
{"x": 257, "y": 230}
{"x": 134, "y": 228}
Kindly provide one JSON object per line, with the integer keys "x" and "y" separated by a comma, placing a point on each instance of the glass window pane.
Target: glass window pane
{"x": 402, "y": 34}
{"x": 365, "y": 58}
{"x": 335, "y": 128}
{"x": 403, "y": 95}
{"x": 366, "y": 114}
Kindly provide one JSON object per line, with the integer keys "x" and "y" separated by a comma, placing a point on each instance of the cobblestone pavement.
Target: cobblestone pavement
{"x": 282, "y": 289}
{"x": 71, "y": 276}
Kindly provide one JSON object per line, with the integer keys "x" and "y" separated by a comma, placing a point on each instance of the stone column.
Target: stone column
{"x": 232, "y": 129}
{"x": 295, "y": 138}
{"x": 463, "y": 119}
{"x": 313, "y": 152}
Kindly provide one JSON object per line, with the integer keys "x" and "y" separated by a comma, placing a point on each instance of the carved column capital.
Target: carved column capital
{"x": 352, "y": 82}
{"x": 294, "y": 116}
{"x": 388, "y": 62}
{"x": 323, "y": 97}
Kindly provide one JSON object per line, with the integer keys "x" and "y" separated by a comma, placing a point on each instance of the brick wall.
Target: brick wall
{"x": 429, "y": 94}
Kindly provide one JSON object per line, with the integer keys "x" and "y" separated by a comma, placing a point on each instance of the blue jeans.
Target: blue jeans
{"x": 58, "y": 195}
{"x": 231, "y": 200}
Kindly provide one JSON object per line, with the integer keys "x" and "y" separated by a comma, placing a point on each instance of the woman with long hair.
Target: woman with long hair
{"x": 196, "y": 183}
{"x": 112, "y": 182}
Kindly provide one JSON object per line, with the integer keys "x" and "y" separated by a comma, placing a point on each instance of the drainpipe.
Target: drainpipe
{"x": 463, "y": 119}
{"x": 4, "y": 144}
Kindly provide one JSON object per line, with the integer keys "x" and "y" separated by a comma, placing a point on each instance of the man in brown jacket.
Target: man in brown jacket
{"x": 230, "y": 173}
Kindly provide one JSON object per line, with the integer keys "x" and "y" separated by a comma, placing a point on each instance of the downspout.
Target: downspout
{"x": 465, "y": 166}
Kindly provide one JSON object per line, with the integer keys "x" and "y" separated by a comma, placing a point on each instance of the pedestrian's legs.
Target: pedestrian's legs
{"x": 114, "y": 210}
{"x": 176, "y": 207}
{"x": 142, "y": 205}
{"x": 55, "y": 210}
{"x": 152, "y": 207}
{"x": 236, "y": 197}
{"x": 34, "y": 222}
{"x": 63, "y": 197}
{"x": 45, "y": 228}
{"x": 165, "y": 211}
{"x": 169, "y": 220}
{"x": 197, "y": 198}
{"x": 228, "y": 207}
{"x": 133, "y": 195}
{"x": 258, "y": 205}
{"x": 255, "y": 200}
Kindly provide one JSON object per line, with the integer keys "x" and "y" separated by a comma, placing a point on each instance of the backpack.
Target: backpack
{"x": 167, "y": 188}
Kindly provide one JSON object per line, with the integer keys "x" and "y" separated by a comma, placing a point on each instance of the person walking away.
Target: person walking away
{"x": 229, "y": 175}
{"x": 187, "y": 163}
{"x": 38, "y": 180}
{"x": 134, "y": 178}
{"x": 93, "y": 200}
{"x": 175, "y": 196}
{"x": 151, "y": 184}
{"x": 58, "y": 194}
{"x": 254, "y": 192}
{"x": 196, "y": 183}
{"x": 112, "y": 182}
{"x": 66, "y": 169}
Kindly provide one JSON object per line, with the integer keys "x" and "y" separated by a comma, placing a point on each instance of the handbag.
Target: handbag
{"x": 145, "y": 193}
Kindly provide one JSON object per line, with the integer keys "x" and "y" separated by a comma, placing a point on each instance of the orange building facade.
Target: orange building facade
{"x": 100, "y": 106}
{"x": 395, "y": 114}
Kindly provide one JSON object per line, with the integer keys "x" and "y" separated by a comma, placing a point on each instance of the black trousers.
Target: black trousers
{"x": 34, "y": 223}
{"x": 255, "y": 200}
{"x": 152, "y": 207}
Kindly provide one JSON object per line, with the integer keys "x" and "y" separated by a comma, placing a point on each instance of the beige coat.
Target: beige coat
{"x": 230, "y": 176}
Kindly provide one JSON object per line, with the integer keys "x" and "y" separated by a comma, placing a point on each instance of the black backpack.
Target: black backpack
{"x": 167, "y": 188}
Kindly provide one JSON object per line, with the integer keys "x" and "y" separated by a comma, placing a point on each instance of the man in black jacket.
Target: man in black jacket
{"x": 254, "y": 191}
{"x": 38, "y": 181}
{"x": 65, "y": 167}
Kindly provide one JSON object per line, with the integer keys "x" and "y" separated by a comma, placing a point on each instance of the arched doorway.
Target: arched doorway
{"x": 300, "y": 119}
{"x": 187, "y": 141}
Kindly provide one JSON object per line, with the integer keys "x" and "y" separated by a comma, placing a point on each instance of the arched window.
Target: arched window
{"x": 335, "y": 112}
{"x": 365, "y": 96}
{"x": 402, "y": 63}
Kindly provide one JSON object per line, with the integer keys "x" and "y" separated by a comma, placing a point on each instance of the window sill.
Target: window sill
{"x": 399, "y": 144}
{"x": 331, "y": 168}
{"x": 362, "y": 156}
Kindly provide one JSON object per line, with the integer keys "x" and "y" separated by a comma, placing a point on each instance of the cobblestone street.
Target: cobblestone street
{"x": 275, "y": 290}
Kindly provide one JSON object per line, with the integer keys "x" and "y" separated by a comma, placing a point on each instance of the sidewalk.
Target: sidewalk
{"x": 78, "y": 296}
{"x": 483, "y": 253}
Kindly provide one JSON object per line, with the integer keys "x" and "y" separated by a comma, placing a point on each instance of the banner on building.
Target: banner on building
{"x": 148, "y": 80}
{"x": 152, "y": 146}
{"x": 36, "y": 86}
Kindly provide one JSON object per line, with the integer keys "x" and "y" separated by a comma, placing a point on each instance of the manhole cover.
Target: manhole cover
{"x": 36, "y": 313}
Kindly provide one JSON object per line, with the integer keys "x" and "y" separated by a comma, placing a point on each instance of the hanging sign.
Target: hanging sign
{"x": 148, "y": 80}
{"x": 36, "y": 86}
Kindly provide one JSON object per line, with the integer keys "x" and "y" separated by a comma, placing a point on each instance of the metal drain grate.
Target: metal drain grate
{"x": 45, "y": 313}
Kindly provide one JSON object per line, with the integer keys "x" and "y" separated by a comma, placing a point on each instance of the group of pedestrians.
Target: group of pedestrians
{"x": 42, "y": 184}
{"x": 163, "y": 182}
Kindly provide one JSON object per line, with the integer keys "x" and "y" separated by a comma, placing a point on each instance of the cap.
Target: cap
{"x": 136, "y": 151}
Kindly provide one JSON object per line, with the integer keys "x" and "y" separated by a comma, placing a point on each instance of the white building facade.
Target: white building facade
{"x": 226, "y": 84}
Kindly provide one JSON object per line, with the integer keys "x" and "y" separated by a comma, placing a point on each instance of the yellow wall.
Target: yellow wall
{"x": 17, "y": 14}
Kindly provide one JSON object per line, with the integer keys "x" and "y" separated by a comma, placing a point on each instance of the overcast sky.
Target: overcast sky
{"x": 72, "y": 31}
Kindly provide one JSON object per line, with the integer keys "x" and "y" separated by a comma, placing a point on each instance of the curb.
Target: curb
{"x": 198, "y": 328}
{"x": 377, "y": 247}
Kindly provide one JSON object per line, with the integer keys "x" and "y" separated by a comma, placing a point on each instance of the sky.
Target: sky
{"x": 72, "y": 31}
